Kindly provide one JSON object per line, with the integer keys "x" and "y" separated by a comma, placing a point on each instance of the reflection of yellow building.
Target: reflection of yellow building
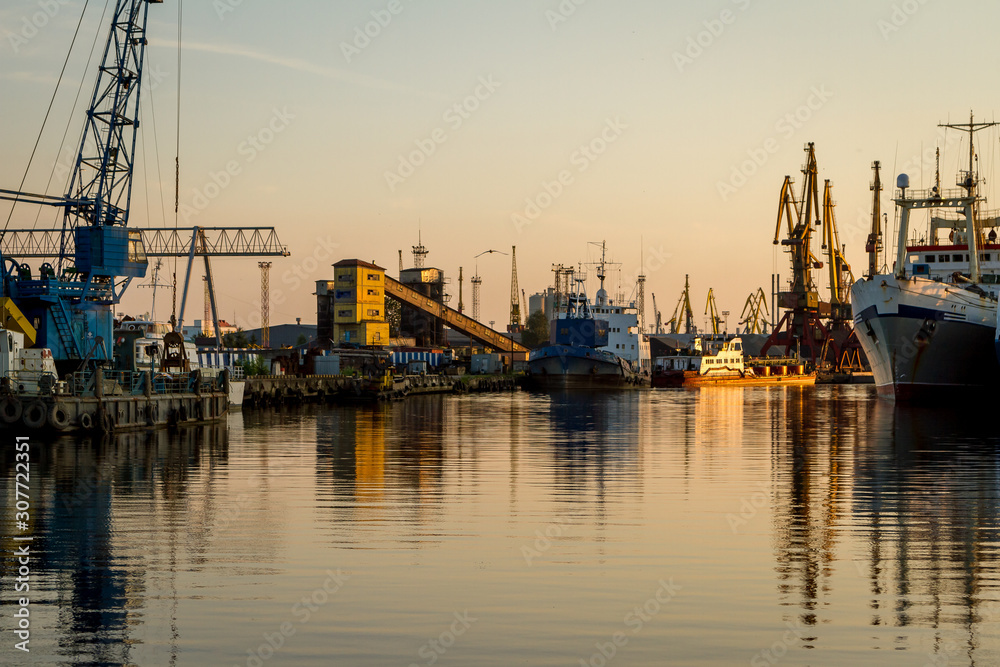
{"x": 359, "y": 303}
{"x": 369, "y": 455}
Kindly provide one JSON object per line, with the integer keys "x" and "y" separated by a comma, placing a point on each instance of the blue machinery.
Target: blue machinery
{"x": 96, "y": 255}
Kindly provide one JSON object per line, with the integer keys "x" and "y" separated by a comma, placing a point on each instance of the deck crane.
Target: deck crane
{"x": 684, "y": 310}
{"x": 713, "y": 314}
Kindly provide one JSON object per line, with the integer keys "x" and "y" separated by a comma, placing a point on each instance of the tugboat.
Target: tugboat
{"x": 573, "y": 360}
{"x": 721, "y": 362}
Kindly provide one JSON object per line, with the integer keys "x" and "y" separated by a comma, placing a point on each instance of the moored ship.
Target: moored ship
{"x": 722, "y": 362}
{"x": 573, "y": 359}
{"x": 928, "y": 327}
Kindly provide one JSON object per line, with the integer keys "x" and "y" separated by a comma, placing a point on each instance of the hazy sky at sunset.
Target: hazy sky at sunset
{"x": 576, "y": 121}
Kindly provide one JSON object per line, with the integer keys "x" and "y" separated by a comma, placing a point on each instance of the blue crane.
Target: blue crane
{"x": 70, "y": 302}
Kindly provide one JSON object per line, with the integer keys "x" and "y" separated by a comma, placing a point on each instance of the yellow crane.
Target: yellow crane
{"x": 754, "y": 320}
{"x": 684, "y": 310}
{"x": 841, "y": 276}
{"x": 714, "y": 320}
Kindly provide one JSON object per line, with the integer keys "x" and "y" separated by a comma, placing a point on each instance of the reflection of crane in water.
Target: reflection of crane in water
{"x": 807, "y": 461}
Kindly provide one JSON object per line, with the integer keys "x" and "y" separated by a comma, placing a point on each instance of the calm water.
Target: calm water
{"x": 761, "y": 526}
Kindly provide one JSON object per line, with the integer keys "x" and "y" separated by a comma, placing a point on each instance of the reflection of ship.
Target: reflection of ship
{"x": 721, "y": 362}
{"x": 928, "y": 327}
{"x": 573, "y": 360}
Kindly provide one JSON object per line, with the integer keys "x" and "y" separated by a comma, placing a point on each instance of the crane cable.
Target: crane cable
{"x": 177, "y": 155}
{"x": 48, "y": 111}
{"x": 69, "y": 121}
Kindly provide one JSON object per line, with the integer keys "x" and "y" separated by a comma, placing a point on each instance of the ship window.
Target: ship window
{"x": 985, "y": 257}
{"x": 956, "y": 258}
{"x": 942, "y": 258}
{"x": 929, "y": 259}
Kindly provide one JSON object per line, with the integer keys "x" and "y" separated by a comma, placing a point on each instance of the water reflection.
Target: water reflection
{"x": 905, "y": 498}
{"x": 870, "y": 526}
{"x": 80, "y": 489}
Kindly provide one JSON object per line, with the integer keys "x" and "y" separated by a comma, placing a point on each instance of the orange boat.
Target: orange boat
{"x": 711, "y": 363}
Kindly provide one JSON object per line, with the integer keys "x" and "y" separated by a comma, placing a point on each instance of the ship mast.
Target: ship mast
{"x": 601, "y": 274}
{"x": 874, "y": 245}
{"x": 970, "y": 179}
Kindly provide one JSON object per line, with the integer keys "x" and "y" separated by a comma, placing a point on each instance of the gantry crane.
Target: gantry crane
{"x": 684, "y": 310}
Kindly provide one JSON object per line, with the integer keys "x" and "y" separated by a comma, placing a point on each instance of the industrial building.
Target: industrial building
{"x": 351, "y": 308}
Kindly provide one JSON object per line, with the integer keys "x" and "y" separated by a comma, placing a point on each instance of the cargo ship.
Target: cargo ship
{"x": 574, "y": 358}
{"x": 928, "y": 327}
{"x": 722, "y": 362}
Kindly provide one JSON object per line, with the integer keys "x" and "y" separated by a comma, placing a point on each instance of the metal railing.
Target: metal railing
{"x": 134, "y": 383}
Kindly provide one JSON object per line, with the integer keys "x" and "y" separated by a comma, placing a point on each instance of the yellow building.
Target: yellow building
{"x": 359, "y": 303}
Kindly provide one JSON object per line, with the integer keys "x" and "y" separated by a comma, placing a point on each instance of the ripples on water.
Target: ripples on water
{"x": 757, "y": 526}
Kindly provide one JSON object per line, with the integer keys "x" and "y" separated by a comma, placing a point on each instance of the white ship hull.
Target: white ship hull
{"x": 927, "y": 339}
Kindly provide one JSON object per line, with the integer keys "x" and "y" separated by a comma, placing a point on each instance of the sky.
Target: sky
{"x": 663, "y": 128}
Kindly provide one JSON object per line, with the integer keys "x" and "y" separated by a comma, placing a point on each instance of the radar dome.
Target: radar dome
{"x": 902, "y": 181}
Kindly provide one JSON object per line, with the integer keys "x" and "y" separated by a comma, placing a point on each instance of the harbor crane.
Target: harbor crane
{"x": 684, "y": 310}
{"x": 755, "y": 313}
{"x": 71, "y": 301}
{"x": 801, "y": 331}
{"x": 714, "y": 321}
{"x": 95, "y": 254}
{"x": 658, "y": 315}
{"x": 515, "y": 325}
{"x": 846, "y": 348}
